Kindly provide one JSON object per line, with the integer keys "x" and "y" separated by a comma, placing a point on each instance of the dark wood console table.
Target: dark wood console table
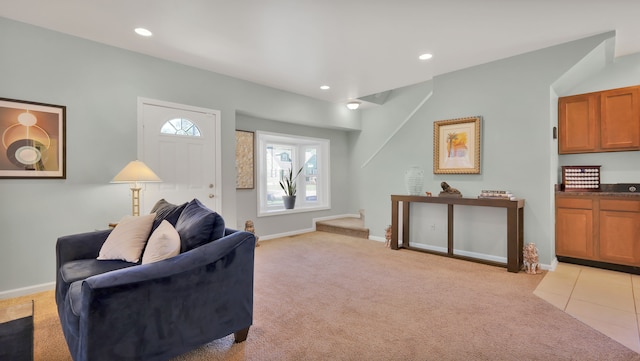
{"x": 515, "y": 221}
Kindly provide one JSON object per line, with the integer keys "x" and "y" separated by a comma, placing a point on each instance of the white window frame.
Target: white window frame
{"x": 299, "y": 143}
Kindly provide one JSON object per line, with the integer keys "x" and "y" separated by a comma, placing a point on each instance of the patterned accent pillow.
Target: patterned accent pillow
{"x": 166, "y": 211}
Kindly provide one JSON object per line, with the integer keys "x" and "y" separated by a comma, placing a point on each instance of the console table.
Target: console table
{"x": 515, "y": 221}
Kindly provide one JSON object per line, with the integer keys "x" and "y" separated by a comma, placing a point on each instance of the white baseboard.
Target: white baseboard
{"x": 378, "y": 239}
{"x": 285, "y": 234}
{"x": 312, "y": 229}
{"x": 429, "y": 247}
{"x": 550, "y": 267}
{"x": 486, "y": 257}
{"x": 482, "y": 256}
{"x": 27, "y": 290}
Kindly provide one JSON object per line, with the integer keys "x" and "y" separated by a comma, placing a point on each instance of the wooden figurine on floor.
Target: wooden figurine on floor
{"x": 387, "y": 236}
{"x": 248, "y": 227}
{"x": 530, "y": 258}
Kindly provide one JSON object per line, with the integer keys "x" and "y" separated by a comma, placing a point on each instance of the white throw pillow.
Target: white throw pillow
{"x": 127, "y": 240}
{"x": 164, "y": 243}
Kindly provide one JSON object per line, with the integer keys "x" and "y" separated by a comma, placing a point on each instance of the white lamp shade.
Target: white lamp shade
{"x": 136, "y": 171}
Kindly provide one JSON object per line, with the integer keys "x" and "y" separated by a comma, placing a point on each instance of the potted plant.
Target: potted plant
{"x": 288, "y": 184}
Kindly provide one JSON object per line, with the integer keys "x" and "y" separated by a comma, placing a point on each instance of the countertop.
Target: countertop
{"x": 606, "y": 190}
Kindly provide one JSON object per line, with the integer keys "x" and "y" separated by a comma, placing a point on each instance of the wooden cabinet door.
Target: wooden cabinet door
{"x": 574, "y": 233}
{"x": 620, "y": 232}
{"x": 620, "y": 119}
{"x": 577, "y": 123}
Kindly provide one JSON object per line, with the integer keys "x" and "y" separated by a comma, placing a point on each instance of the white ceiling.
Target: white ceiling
{"x": 358, "y": 47}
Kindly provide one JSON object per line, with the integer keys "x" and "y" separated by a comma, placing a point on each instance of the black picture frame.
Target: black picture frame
{"x": 33, "y": 139}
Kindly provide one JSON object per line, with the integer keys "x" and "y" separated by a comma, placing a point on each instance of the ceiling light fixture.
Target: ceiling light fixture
{"x": 325, "y": 87}
{"x": 143, "y": 32}
{"x": 425, "y": 56}
{"x": 353, "y": 105}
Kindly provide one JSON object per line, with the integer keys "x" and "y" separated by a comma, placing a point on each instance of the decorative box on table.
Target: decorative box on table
{"x": 581, "y": 178}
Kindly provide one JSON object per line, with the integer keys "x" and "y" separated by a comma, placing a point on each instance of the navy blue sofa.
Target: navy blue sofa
{"x": 117, "y": 310}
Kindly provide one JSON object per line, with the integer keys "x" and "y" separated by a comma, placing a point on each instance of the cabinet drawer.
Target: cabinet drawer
{"x": 581, "y": 203}
{"x": 620, "y": 205}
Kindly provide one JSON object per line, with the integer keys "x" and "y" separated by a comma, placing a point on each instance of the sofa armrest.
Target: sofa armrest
{"x": 79, "y": 246}
{"x": 184, "y": 301}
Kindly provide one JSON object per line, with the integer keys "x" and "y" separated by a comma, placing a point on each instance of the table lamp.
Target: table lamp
{"x": 135, "y": 172}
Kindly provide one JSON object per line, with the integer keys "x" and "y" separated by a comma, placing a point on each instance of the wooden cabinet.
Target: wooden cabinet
{"x": 620, "y": 119}
{"x": 619, "y": 234}
{"x": 599, "y": 122}
{"x": 598, "y": 228}
{"x": 574, "y": 228}
{"x": 577, "y": 123}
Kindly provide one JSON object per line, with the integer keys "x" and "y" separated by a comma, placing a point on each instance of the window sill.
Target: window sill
{"x": 279, "y": 212}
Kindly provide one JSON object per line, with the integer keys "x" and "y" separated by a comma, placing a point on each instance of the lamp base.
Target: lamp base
{"x": 135, "y": 201}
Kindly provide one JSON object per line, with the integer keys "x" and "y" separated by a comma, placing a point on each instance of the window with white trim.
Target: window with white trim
{"x": 276, "y": 155}
{"x": 180, "y": 126}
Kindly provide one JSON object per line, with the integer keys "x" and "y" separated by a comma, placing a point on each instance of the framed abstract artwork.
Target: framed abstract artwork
{"x": 456, "y": 146}
{"x": 33, "y": 139}
{"x": 244, "y": 159}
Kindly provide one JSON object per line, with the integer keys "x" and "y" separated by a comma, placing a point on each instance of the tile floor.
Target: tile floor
{"x": 607, "y": 301}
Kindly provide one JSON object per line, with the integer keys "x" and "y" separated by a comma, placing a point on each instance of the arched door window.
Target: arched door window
{"x": 180, "y": 126}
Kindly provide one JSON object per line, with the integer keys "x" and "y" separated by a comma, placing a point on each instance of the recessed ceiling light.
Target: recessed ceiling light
{"x": 325, "y": 87}
{"x": 143, "y": 32}
{"x": 425, "y": 56}
{"x": 353, "y": 105}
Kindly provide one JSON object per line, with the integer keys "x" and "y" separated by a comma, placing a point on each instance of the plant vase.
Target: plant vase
{"x": 413, "y": 180}
{"x": 289, "y": 201}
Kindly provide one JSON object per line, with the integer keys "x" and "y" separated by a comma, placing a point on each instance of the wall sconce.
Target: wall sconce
{"x": 353, "y": 105}
{"x": 135, "y": 172}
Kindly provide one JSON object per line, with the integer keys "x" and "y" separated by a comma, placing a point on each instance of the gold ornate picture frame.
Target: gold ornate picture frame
{"x": 245, "y": 162}
{"x": 456, "y": 146}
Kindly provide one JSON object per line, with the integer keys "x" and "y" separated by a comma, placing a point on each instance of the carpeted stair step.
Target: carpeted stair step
{"x": 348, "y": 226}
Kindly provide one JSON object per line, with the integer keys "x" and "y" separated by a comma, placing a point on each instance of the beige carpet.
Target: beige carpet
{"x": 321, "y": 296}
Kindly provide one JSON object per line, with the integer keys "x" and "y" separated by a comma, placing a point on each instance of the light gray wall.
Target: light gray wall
{"x": 339, "y": 172}
{"x": 100, "y": 86}
{"x": 515, "y": 99}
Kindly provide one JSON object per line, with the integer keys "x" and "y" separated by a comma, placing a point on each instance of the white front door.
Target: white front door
{"x": 181, "y": 145}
